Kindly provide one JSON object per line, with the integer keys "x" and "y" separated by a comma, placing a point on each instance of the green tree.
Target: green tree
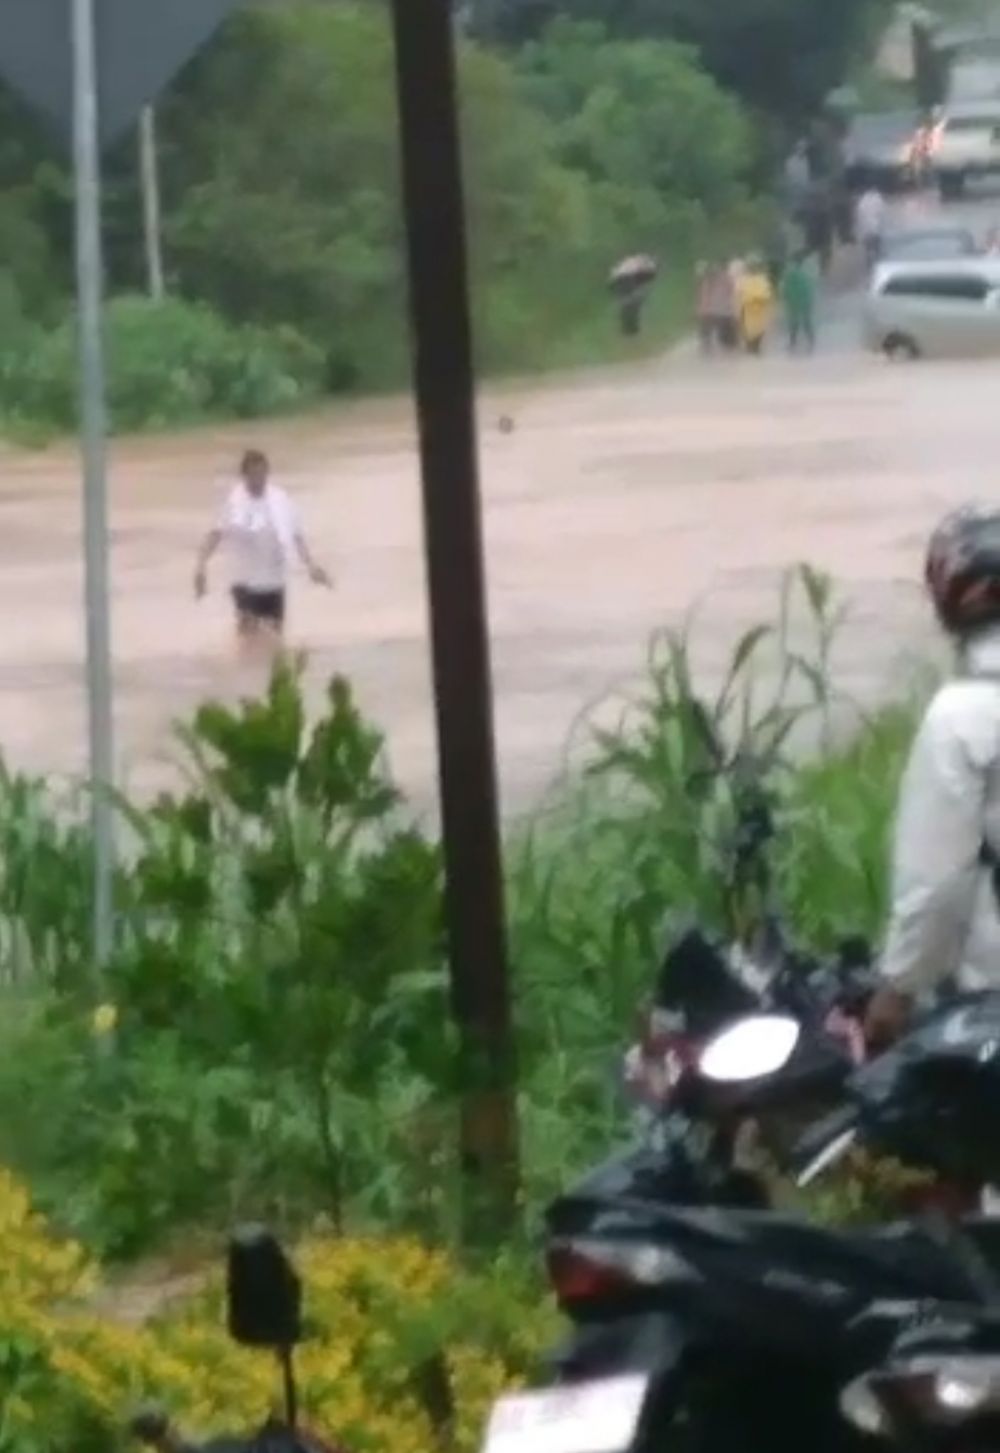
{"x": 639, "y": 114}
{"x": 280, "y": 172}
{"x": 282, "y": 160}
{"x": 781, "y": 56}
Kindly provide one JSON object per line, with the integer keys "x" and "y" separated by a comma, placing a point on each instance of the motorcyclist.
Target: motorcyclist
{"x": 945, "y": 920}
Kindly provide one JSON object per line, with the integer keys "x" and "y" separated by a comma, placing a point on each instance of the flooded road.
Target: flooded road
{"x": 619, "y": 500}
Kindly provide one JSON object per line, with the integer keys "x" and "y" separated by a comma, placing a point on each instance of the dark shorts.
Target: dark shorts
{"x": 260, "y": 605}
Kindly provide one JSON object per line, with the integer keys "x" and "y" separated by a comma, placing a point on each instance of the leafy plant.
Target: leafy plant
{"x": 169, "y": 363}
{"x": 45, "y": 872}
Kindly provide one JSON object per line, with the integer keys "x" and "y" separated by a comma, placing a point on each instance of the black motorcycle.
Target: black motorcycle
{"x": 704, "y": 1319}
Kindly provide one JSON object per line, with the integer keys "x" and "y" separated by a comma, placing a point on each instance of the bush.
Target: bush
{"x": 379, "y": 1313}
{"x": 278, "y": 986}
{"x": 169, "y": 363}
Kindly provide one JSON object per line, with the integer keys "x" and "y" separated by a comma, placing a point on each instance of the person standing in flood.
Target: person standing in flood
{"x": 730, "y": 277}
{"x": 714, "y": 306}
{"x": 260, "y": 526}
{"x": 798, "y": 297}
{"x": 631, "y": 282}
{"x": 755, "y": 302}
{"x": 869, "y": 223}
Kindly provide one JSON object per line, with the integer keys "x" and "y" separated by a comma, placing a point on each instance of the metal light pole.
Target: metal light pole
{"x": 90, "y": 282}
{"x": 149, "y": 167}
{"x": 55, "y": 52}
{"x": 445, "y": 393}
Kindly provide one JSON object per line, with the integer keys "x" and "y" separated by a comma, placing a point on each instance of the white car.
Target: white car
{"x": 966, "y": 144}
{"x": 947, "y": 309}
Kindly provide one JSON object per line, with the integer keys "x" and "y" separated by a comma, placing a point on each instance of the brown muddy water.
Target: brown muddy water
{"x": 618, "y": 502}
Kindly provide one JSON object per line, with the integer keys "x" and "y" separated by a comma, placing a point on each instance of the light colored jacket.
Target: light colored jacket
{"x": 755, "y": 299}
{"x": 945, "y": 916}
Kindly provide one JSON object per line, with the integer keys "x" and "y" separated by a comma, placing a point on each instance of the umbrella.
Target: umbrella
{"x": 641, "y": 268}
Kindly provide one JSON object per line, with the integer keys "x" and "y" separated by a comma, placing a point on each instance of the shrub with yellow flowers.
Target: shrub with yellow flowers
{"x": 379, "y": 1314}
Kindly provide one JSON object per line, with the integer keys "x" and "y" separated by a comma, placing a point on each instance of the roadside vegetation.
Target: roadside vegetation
{"x": 587, "y": 138}
{"x": 274, "y": 1037}
{"x": 272, "y": 1040}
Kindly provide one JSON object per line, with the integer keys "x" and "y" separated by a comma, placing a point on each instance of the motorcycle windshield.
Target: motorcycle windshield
{"x": 698, "y": 987}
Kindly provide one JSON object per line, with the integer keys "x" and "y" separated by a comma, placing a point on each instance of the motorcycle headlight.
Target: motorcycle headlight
{"x": 750, "y": 1049}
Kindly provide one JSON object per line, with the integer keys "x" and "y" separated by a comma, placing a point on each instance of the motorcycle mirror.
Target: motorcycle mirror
{"x": 749, "y": 1050}
{"x": 264, "y": 1293}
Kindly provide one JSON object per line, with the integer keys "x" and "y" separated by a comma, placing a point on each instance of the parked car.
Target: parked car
{"x": 966, "y": 145}
{"x": 881, "y": 150}
{"x": 929, "y": 244}
{"x": 935, "y": 309}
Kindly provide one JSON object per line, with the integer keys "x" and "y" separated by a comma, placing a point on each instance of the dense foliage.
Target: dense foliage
{"x": 279, "y": 165}
{"x": 277, "y": 1027}
{"x": 171, "y": 363}
{"x": 782, "y": 57}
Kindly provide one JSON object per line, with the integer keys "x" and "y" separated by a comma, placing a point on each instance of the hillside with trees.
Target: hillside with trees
{"x": 591, "y": 130}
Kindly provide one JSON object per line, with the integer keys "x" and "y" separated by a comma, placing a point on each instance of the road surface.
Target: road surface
{"x": 620, "y": 499}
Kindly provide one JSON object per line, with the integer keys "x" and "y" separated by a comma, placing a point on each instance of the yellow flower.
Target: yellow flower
{"x": 379, "y": 1306}
{"x": 105, "y": 1020}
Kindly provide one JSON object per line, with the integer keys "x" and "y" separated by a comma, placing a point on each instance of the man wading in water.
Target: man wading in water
{"x": 260, "y": 525}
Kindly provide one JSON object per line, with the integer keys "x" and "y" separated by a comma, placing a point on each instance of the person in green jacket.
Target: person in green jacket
{"x": 798, "y": 296}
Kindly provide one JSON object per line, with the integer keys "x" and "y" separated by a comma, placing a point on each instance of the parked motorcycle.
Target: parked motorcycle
{"x": 705, "y": 1320}
{"x": 704, "y": 986}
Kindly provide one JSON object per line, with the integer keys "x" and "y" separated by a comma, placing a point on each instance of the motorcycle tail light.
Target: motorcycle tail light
{"x": 945, "y": 1198}
{"x": 582, "y": 1271}
{"x": 576, "y": 1278}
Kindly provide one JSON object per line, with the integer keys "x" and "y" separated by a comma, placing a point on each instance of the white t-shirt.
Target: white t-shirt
{"x": 259, "y": 532}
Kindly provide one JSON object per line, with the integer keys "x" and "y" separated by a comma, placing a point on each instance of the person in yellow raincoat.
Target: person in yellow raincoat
{"x": 755, "y": 304}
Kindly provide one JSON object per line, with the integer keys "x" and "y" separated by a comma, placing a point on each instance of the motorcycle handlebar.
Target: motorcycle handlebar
{"x": 825, "y": 1143}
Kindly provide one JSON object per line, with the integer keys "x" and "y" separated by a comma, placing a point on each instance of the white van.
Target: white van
{"x": 935, "y": 309}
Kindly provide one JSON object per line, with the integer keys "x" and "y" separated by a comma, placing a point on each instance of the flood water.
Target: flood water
{"x": 619, "y": 500}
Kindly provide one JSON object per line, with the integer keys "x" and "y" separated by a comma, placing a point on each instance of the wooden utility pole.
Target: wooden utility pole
{"x": 445, "y": 394}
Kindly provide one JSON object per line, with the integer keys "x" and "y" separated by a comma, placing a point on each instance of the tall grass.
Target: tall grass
{"x": 765, "y": 793}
